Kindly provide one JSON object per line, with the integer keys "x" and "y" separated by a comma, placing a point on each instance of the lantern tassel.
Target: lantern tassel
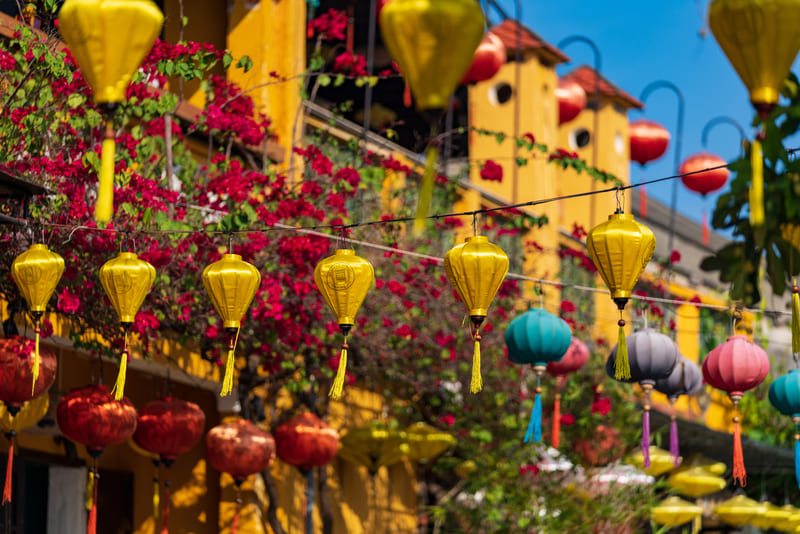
{"x": 91, "y": 527}
{"x": 797, "y": 455}
{"x": 739, "y": 473}
{"x": 795, "y": 318}
{"x": 756, "y": 196}
{"x": 105, "y": 188}
{"x": 706, "y": 231}
{"x": 227, "y": 381}
{"x": 407, "y": 100}
{"x": 643, "y": 201}
{"x": 646, "y": 437}
{"x": 426, "y": 189}
{"x": 555, "y": 441}
{"x": 156, "y": 498}
{"x": 87, "y": 502}
{"x": 338, "y": 381}
{"x": 673, "y": 441}
{"x": 622, "y": 368}
{"x": 235, "y": 522}
{"x": 119, "y": 387}
{"x": 476, "y": 384}
{"x": 35, "y": 371}
{"x": 165, "y": 520}
{"x": 535, "y": 424}
{"x": 9, "y": 469}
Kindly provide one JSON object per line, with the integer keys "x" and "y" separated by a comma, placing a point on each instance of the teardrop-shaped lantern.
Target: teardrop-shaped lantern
{"x": 571, "y": 99}
{"x": 652, "y": 356}
{"x": 576, "y": 356}
{"x": 620, "y": 248}
{"x": 476, "y": 268}
{"x": 433, "y": 42}
{"x": 735, "y": 367}
{"x": 648, "y": 141}
{"x": 537, "y": 337}
{"x": 685, "y": 379}
{"x": 126, "y": 280}
{"x": 37, "y": 272}
{"x": 232, "y": 284}
{"x": 109, "y": 39}
{"x": 674, "y": 511}
{"x": 14, "y": 419}
{"x": 784, "y": 395}
{"x": 489, "y": 57}
{"x": 344, "y": 280}
{"x": 738, "y": 510}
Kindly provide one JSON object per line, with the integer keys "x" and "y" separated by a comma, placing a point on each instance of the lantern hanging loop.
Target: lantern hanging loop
{"x": 620, "y": 200}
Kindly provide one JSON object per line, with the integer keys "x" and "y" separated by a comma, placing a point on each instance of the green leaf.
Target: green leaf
{"x": 323, "y": 80}
{"x": 244, "y": 63}
{"x": 227, "y": 59}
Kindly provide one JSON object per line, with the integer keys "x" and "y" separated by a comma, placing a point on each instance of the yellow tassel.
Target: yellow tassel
{"x": 622, "y": 368}
{"x": 476, "y": 383}
{"x": 757, "y": 186}
{"x": 89, "y": 491}
{"x": 338, "y": 381}
{"x": 35, "y": 371}
{"x": 119, "y": 387}
{"x": 227, "y": 380}
{"x": 105, "y": 189}
{"x": 156, "y": 499}
{"x": 795, "y": 318}
{"x": 426, "y": 189}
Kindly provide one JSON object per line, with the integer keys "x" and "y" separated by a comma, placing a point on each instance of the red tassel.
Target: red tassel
{"x": 235, "y": 523}
{"x": 556, "y": 438}
{"x": 739, "y": 474}
{"x": 91, "y": 527}
{"x": 407, "y": 96}
{"x": 165, "y": 515}
{"x": 9, "y": 470}
{"x": 706, "y": 232}
{"x": 643, "y": 201}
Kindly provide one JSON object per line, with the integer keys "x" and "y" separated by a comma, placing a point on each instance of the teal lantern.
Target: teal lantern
{"x": 537, "y": 337}
{"x": 784, "y": 394}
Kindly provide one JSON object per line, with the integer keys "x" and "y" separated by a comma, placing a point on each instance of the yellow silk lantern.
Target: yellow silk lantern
{"x": 426, "y": 442}
{"x": 30, "y": 413}
{"x": 433, "y": 42}
{"x": 787, "y": 521}
{"x": 232, "y": 284}
{"x": 759, "y": 38}
{"x": 709, "y": 465}
{"x": 476, "y": 268}
{"x": 696, "y": 482}
{"x": 621, "y": 248}
{"x": 374, "y": 446}
{"x": 674, "y": 511}
{"x": 37, "y": 272}
{"x": 109, "y": 39}
{"x": 661, "y": 461}
{"x": 344, "y": 280}
{"x": 126, "y": 280}
{"x": 772, "y": 516}
{"x": 739, "y": 510}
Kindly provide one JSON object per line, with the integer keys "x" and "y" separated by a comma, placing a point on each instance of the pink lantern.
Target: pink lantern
{"x": 571, "y": 100}
{"x": 577, "y": 354}
{"x": 735, "y": 367}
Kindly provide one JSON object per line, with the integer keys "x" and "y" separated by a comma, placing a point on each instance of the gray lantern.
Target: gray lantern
{"x": 685, "y": 379}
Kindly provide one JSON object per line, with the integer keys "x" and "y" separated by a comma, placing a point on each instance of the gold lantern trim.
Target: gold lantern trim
{"x": 126, "y": 280}
{"x": 476, "y": 268}
{"x": 232, "y": 284}
{"x": 109, "y": 39}
{"x": 344, "y": 280}
{"x": 620, "y": 249}
{"x": 37, "y": 272}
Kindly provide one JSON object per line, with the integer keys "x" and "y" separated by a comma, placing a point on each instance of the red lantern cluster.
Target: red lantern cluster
{"x": 713, "y": 176}
{"x": 648, "y": 141}
{"x": 571, "y": 100}
{"x": 169, "y": 427}
{"x": 489, "y": 57}
{"x": 306, "y": 442}
{"x": 239, "y": 449}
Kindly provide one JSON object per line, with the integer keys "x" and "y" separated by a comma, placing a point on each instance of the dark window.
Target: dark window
{"x": 502, "y": 92}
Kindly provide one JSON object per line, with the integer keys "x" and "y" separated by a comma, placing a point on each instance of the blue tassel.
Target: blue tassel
{"x": 535, "y": 424}
{"x": 797, "y": 461}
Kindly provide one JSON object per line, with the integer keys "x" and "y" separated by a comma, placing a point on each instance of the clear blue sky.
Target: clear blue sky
{"x": 641, "y": 42}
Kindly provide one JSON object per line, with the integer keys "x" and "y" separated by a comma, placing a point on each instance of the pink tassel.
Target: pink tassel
{"x": 646, "y": 438}
{"x": 673, "y": 441}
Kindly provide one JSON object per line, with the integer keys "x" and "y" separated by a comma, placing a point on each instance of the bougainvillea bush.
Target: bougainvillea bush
{"x": 180, "y": 207}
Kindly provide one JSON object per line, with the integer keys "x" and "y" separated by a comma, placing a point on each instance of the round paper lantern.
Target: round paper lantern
{"x": 620, "y": 248}
{"x": 109, "y": 39}
{"x": 704, "y": 173}
{"x": 489, "y": 57}
{"x": 37, "y": 272}
{"x": 648, "y": 141}
{"x": 30, "y": 413}
{"x": 476, "y": 268}
{"x": 426, "y": 442}
{"x": 685, "y": 379}
{"x": 571, "y": 100}
{"x": 576, "y": 356}
{"x": 661, "y": 461}
{"x": 739, "y": 510}
{"x": 674, "y": 511}
{"x": 537, "y": 337}
{"x": 374, "y": 445}
{"x": 735, "y": 367}
{"x": 231, "y": 283}
{"x": 16, "y": 371}
{"x": 784, "y": 394}
{"x": 652, "y": 356}
{"x": 169, "y": 427}
{"x": 126, "y": 280}
{"x": 695, "y": 482}
{"x": 344, "y": 280}
{"x": 92, "y": 417}
{"x": 306, "y": 442}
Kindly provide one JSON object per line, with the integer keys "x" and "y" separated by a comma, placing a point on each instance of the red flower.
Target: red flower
{"x": 675, "y": 256}
{"x": 492, "y": 172}
{"x": 567, "y": 419}
{"x": 567, "y": 306}
{"x": 448, "y": 419}
{"x": 528, "y": 468}
{"x": 601, "y": 405}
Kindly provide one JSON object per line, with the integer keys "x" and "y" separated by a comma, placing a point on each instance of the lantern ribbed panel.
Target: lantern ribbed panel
{"x": 784, "y": 393}
{"x": 476, "y": 268}
{"x": 169, "y": 427}
{"x": 91, "y": 417}
{"x": 344, "y": 280}
{"x": 685, "y": 379}
{"x": 37, "y": 272}
{"x": 537, "y": 337}
{"x": 126, "y": 280}
{"x": 306, "y": 441}
{"x": 232, "y": 284}
{"x": 652, "y": 356}
{"x": 576, "y": 356}
{"x": 16, "y": 370}
{"x": 736, "y": 365}
{"x": 239, "y": 449}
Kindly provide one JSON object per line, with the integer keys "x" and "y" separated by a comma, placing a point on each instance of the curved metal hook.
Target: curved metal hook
{"x": 722, "y": 120}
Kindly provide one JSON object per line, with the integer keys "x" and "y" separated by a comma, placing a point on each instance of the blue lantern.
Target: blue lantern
{"x": 537, "y": 337}
{"x": 784, "y": 394}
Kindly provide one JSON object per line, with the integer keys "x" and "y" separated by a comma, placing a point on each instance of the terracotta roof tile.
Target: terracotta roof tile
{"x": 528, "y": 40}
{"x": 588, "y": 79}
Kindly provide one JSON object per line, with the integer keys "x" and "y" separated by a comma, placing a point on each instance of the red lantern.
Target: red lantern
{"x": 648, "y": 141}
{"x": 16, "y": 376}
{"x": 735, "y": 367}
{"x": 571, "y": 100}
{"x": 306, "y": 441}
{"x": 487, "y": 60}
{"x": 707, "y": 181}
{"x": 92, "y": 417}
{"x": 576, "y": 356}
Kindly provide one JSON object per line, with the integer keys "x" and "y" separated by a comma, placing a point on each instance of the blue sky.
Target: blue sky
{"x": 641, "y": 42}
